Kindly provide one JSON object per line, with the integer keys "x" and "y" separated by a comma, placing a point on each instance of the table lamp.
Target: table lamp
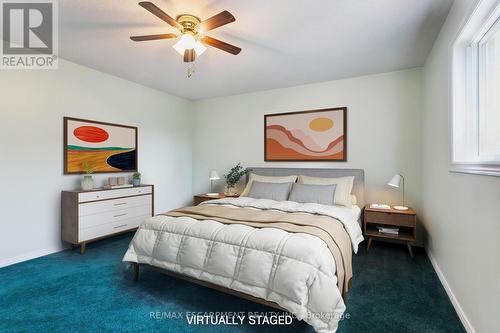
{"x": 213, "y": 176}
{"x": 399, "y": 181}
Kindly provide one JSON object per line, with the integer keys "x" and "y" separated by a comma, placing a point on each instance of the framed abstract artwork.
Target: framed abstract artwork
{"x": 316, "y": 135}
{"x": 102, "y": 147}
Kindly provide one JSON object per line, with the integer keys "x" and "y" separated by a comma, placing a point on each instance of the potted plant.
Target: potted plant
{"x": 136, "y": 178}
{"x": 232, "y": 178}
{"x": 88, "y": 181}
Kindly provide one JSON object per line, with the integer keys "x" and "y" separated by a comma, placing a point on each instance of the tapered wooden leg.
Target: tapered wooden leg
{"x": 409, "y": 249}
{"x": 136, "y": 271}
{"x": 369, "y": 243}
{"x": 82, "y": 248}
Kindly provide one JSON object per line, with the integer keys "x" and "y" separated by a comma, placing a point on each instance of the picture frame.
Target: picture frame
{"x": 104, "y": 147}
{"x": 306, "y": 136}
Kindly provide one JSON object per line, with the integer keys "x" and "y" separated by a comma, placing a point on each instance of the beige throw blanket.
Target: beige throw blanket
{"x": 329, "y": 229}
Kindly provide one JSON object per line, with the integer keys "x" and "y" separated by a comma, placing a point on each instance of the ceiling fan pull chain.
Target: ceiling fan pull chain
{"x": 190, "y": 69}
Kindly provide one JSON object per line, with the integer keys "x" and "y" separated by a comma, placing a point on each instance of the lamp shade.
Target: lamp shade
{"x": 213, "y": 175}
{"x": 188, "y": 42}
{"x": 395, "y": 181}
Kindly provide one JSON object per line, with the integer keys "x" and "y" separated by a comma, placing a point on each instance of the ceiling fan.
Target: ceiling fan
{"x": 192, "y": 42}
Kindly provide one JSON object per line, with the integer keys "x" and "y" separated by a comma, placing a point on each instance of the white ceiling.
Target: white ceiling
{"x": 285, "y": 43}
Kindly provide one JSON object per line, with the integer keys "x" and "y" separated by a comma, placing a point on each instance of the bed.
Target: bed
{"x": 287, "y": 255}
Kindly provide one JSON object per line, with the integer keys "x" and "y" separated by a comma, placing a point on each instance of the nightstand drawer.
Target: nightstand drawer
{"x": 199, "y": 200}
{"x": 390, "y": 218}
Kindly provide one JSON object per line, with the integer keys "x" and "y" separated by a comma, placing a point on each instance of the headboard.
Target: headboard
{"x": 359, "y": 177}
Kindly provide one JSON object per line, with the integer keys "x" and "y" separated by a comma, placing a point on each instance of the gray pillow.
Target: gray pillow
{"x": 273, "y": 191}
{"x": 321, "y": 194}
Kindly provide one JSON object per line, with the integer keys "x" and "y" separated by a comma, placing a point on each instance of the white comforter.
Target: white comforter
{"x": 295, "y": 270}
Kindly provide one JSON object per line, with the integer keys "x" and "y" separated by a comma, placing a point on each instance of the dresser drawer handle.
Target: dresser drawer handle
{"x": 121, "y": 215}
{"x": 120, "y": 226}
{"x": 120, "y": 204}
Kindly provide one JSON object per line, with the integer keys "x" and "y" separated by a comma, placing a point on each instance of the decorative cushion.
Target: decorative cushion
{"x": 272, "y": 191}
{"x": 266, "y": 179}
{"x": 342, "y": 191}
{"x": 321, "y": 194}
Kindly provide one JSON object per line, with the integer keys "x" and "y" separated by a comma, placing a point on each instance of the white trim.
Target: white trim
{"x": 461, "y": 314}
{"x": 30, "y": 255}
{"x": 488, "y": 23}
{"x": 476, "y": 172}
{"x": 477, "y": 169}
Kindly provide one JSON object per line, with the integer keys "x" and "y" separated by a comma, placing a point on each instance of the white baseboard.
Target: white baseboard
{"x": 461, "y": 314}
{"x": 30, "y": 255}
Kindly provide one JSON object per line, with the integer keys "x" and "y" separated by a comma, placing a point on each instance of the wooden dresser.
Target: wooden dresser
{"x": 90, "y": 215}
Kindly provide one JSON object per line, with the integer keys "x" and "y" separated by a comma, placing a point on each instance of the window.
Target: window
{"x": 475, "y": 99}
{"x": 489, "y": 93}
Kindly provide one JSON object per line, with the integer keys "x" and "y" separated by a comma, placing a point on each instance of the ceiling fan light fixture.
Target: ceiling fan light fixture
{"x": 199, "y": 48}
{"x": 186, "y": 42}
{"x": 181, "y": 46}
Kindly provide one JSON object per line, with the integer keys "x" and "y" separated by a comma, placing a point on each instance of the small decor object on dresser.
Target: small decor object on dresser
{"x": 117, "y": 182}
{"x": 390, "y": 223}
{"x": 112, "y": 181}
{"x": 136, "y": 178}
{"x": 87, "y": 181}
{"x": 121, "y": 181}
{"x": 232, "y": 178}
{"x": 316, "y": 135}
{"x": 112, "y": 147}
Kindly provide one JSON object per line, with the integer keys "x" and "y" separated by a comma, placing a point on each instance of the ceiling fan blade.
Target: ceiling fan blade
{"x": 189, "y": 55}
{"x": 216, "y": 21}
{"x": 221, "y": 45}
{"x": 153, "y": 9}
{"x": 152, "y": 37}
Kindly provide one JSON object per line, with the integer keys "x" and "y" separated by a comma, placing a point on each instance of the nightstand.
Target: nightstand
{"x": 404, "y": 220}
{"x": 199, "y": 198}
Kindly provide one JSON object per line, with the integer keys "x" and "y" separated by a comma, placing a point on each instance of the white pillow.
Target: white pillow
{"x": 266, "y": 179}
{"x": 354, "y": 200}
{"x": 342, "y": 192}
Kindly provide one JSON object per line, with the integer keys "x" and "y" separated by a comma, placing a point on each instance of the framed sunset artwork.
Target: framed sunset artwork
{"x": 104, "y": 147}
{"x": 316, "y": 135}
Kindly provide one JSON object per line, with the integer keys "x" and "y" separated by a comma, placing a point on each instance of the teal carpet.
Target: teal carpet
{"x": 94, "y": 292}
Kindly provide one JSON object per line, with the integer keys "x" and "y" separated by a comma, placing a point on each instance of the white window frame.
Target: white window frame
{"x": 465, "y": 81}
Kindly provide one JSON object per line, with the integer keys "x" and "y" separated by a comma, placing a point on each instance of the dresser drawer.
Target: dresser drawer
{"x": 97, "y": 207}
{"x": 110, "y": 228}
{"x": 88, "y": 221}
{"x": 391, "y": 219}
{"x": 112, "y": 194}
